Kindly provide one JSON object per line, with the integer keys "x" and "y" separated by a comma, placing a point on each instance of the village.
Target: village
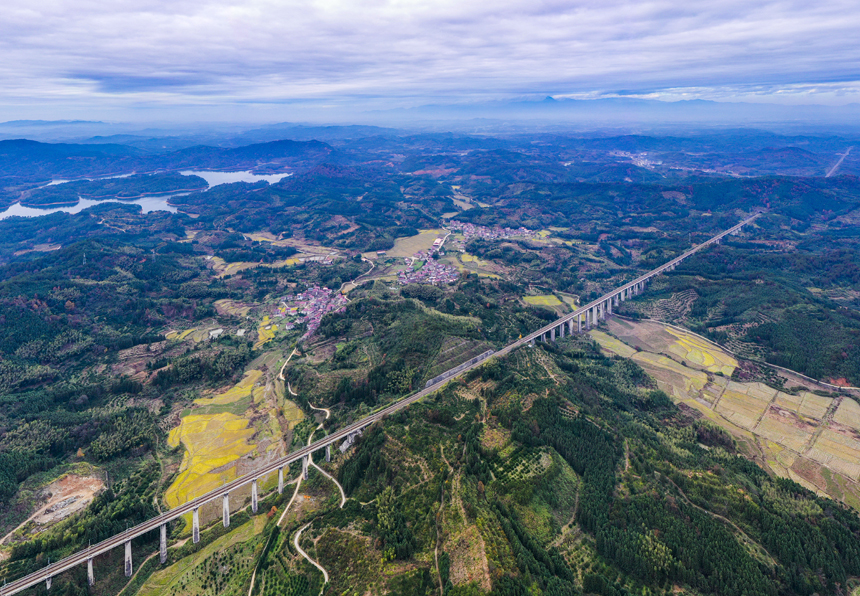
{"x": 470, "y": 231}
{"x": 310, "y": 307}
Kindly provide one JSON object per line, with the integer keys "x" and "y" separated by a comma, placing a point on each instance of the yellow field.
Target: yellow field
{"x": 674, "y": 379}
{"x": 848, "y": 414}
{"x": 547, "y": 300}
{"x": 409, "y": 245}
{"x": 265, "y": 332}
{"x": 744, "y": 403}
{"x": 658, "y": 338}
{"x": 468, "y": 262}
{"x": 607, "y": 342}
{"x": 701, "y": 353}
{"x": 196, "y": 334}
{"x": 808, "y": 406}
{"x": 838, "y": 452}
{"x": 292, "y": 413}
{"x": 781, "y": 430}
{"x": 814, "y": 405}
{"x": 180, "y": 335}
{"x": 239, "y": 391}
{"x": 232, "y": 307}
{"x": 211, "y": 442}
{"x": 223, "y": 268}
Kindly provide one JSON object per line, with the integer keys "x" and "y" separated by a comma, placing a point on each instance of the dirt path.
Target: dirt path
{"x": 835, "y": 167}
{"x": 281, "y": 374}
{"x": 313, "y": 463}
{"x": 355, "y": 281}
{"x": 725, "y": 520}
{"x": 306, "y": 556}
{"x": 298, "y": 482}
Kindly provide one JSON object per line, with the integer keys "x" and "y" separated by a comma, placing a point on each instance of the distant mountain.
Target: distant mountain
{"x": 34, "y": 161}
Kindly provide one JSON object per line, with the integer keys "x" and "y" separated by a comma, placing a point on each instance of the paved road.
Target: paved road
{"x": 153, "y": 524}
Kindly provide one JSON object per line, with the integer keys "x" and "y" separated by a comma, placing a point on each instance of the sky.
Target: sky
{"x": 266, "y": 60}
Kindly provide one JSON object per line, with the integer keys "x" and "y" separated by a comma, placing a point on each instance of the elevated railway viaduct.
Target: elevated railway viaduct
{"x": 586, "y": 316}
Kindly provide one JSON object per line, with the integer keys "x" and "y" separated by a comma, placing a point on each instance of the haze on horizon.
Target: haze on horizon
{"x": 147, "y": 60}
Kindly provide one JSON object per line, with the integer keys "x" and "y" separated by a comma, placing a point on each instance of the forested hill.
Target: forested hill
{"x": 147, "y": 358}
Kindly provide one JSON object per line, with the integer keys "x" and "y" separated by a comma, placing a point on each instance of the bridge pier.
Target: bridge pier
{"x": 91, "y": 577}
{"x": 254, "y": 496}
{"x": 328, "y": 452}
{"x": 552, "y": 334}
{"x": 48, "y": 582}
{"x": 561, "y": 330}
{"x": 305, "y": 468}
{"x": 609, "y": 306}
{"x": 162, "y": 550}
{"x": 579, "y": 323}
{"x": 195, "y": 525}
{"x": 128, "y": 564}
{"x": 225, "y": 514}
{"x": 280, "y": 480}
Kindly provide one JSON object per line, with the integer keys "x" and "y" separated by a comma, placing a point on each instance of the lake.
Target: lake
{"x": 216, "y": 178}
{"x": 153, "y": 203}
{"x": 150, "y": 203}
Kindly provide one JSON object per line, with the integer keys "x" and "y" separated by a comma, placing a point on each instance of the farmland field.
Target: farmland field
{"x": 676, "y": 380}
{"x": 784, "y": 429}
{"x": 546, "y": 300}
{"x": 409, "y": 245}
{"x": 658, "y": 338}
{"x": 616, "y": 346}
{"x": 212, "y": 442}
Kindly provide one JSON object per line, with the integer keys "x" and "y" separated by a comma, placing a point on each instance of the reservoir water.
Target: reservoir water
{"x": 216, "y": 178}
{"x": 150, "y": 203}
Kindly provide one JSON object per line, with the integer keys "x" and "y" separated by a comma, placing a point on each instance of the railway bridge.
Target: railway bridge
{"x": 585, "y": 317}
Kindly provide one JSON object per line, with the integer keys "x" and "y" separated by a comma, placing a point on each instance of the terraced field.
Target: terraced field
{"x": 810, "y": 438}
{"x": 265, "y": 332}
{"x": 213, "y": 443}
{"x": 223, "y": 429}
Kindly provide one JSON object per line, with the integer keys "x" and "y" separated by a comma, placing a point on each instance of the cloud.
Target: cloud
{"x": 189, "y": 52}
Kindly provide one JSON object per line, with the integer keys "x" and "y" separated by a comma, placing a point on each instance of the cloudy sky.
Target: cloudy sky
{"x": 263, "y": 59}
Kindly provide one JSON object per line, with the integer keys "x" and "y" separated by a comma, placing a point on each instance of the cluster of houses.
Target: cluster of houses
{"x": 470, "y": 231}
{"x": 310, "y": 307}
{"x": 424, "y": 269}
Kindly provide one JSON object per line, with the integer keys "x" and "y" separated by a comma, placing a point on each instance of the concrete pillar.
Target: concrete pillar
{"x": 225, "y": 514}
{"x": 48, "y": 582}
{"x": 552, "y": 334}
{"x": 195, "y": 526}
{"x": 162, "y": 551}
{"x": 280, "y": 481}
{"x": 91, "y": 577}
{"x": 328, "y": 452}
{"x": 609, "y": 305}
{"x": 305, "y": 467}
{"x": 579, "y": 323}
{"x": 594, "y": 316}
{"x": 561, "y": 329}
{"x": 532, "y": 342}
{"x": 128, "y": 565}
{"x": 254, "y": 496}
